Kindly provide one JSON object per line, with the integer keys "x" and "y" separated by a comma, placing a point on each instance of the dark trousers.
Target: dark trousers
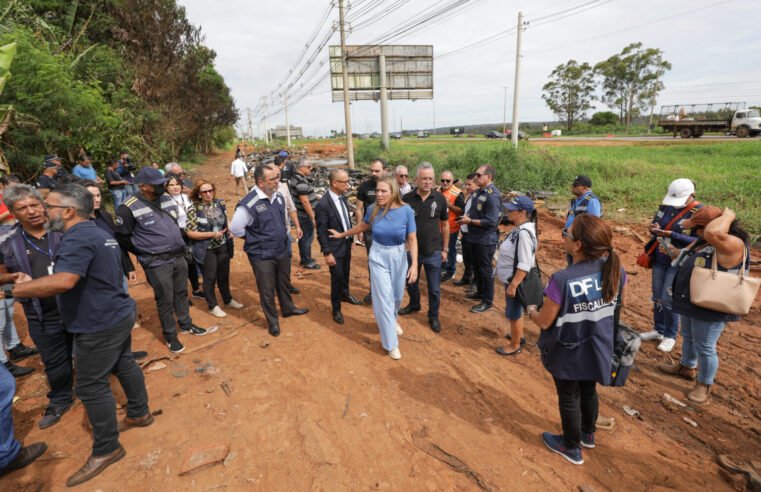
{"x": 467, "y": 257}
{"x": 193, "y": 275}
{"x": 271, "y": 277}
{"x": 451, "y": 264}
{"x": 170, "y": 289}
{"x": 339, "y": 278}
{"x": 482, "y": 261}
{"x": 98, "y": 356}
{"x": 55, "y": 345}
{"x": 305, "y": 243}
{"x": 432, "y": 265}
{"x": 578, "y": 405}
{"x": 216, "y": 270}
{"x": 9, "y": 446}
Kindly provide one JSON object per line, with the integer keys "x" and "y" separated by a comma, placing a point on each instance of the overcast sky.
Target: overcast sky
{"x": 713, "y": 45}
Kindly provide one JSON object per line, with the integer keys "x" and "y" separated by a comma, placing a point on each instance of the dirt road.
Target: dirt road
{"x": 322, "y": 407}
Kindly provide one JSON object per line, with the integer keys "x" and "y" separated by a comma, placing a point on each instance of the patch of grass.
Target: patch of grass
{"x": 632, "y": 177}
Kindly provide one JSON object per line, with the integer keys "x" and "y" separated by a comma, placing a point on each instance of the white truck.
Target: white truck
{"x": 692, "y": 120}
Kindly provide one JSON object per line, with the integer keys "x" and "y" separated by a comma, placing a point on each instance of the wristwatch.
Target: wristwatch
{"x": 8, "y": 291}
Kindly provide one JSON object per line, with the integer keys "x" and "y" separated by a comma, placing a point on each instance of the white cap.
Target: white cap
{"x": 679, "y": 191}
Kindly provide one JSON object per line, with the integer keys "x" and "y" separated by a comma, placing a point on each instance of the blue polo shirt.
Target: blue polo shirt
{"x": 98, "y": 301}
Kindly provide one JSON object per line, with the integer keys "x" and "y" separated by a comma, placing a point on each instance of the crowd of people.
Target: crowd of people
{"x": 59, "y": 247}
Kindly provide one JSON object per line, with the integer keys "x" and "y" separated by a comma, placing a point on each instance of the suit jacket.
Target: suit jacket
{"x": 327, "y": 217}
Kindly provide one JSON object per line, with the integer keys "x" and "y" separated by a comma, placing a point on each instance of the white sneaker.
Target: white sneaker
{"x": 399, "y": 330}
{"x": 651, "y": 335}
{"x": 234, "y": 304}
{"x": 666, "y": 345}
{"x": 217, "y": 311}
{"x": 395, "y": 354}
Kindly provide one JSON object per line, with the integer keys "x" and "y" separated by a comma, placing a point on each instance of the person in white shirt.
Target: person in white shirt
{"x": 238, "y": 170}
{"x": 402, "y": 179}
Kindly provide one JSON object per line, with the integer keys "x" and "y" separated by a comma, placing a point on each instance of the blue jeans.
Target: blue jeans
{"x": 513, "y": 308}
{"x": 9, "y": 446}
{"x": 305, "y": 243}
{"x": 699, "y": 346}
{"x": 8, "y": 335}
{"x": 119, "y": 196}
{"x": 450, "y": 266}
{"x": 665, "y": 321}
{"x": 388, "y": 274}
{"x": 432, "y": 264}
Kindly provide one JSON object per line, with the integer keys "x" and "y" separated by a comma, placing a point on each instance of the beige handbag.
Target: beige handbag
{"x": 731, "y": 293}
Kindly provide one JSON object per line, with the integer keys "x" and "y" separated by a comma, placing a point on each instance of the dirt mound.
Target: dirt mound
{"x": 323, "y": 407}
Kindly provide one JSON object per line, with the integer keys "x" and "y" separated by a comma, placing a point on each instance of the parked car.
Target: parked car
{"x": 396, "y": 135}
{"x": 375, "y": 135}
{"x": 495, "y": 134}
{"x": 521, "y": 135}
{"x": 423, "y": 134}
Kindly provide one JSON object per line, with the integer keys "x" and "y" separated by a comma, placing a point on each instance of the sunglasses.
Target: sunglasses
{"x": 478, "y": 175}
{"x": 403, "y": 175}
{"x": 567, "y": 233}
{"x": 203, "y": 192}
{"x": 446, "y": 180}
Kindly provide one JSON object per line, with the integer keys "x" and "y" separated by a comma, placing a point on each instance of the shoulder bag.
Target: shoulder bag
{"x": 725, "y": 292}
{"x": 645, "y": 260}
{"x": 530, "y": 291}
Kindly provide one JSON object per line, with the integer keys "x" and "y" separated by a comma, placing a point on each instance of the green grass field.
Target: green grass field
{"x": 632, "y": 177}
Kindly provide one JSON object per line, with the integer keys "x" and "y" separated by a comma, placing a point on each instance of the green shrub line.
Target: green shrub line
{"x": 630, "y": 180}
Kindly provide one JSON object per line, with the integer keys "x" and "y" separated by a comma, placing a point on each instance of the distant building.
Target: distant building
{"x": 280, "y": 131}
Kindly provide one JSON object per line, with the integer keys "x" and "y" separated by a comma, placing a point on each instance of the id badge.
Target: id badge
{"x": 50, "y": 269}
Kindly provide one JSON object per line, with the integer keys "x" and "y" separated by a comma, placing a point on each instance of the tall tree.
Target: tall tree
{"x": 570, "y": 91}
{"x": 631, "y": 80}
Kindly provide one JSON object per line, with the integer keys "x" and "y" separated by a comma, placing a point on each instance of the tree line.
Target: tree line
{"x": 628, "y": 82}
{"x": 100, "y": 76}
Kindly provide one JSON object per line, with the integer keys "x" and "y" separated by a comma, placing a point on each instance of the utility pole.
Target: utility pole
{"x": 516, "y": 90}
{"x": 250, "y": 130}
{"x": 383, "y": 107}
{"x": 266, "y": 129}
{"x": 345, "y": 80}
{"x": 504, "y": 112}
{"x": 287, "y": 126}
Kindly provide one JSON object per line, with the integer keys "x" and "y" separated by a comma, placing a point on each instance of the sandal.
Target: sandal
{"x": 502, "y": 351}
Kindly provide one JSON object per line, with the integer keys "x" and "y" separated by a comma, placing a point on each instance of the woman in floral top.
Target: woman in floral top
{"x": 212, "y": 245}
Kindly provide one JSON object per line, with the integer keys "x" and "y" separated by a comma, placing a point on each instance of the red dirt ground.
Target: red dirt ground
{"x": 322, "y": 407}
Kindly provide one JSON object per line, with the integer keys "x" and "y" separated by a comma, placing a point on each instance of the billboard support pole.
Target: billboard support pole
{"x": 383, "y": 108}
{"x": 517, "y": 79}
{"x": 287, "y": 126}
{"x": 345, "y": 78}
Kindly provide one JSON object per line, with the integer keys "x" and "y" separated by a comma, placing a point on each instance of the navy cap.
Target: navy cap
{"x": 149, "y": 175}
{"x": 521, "y": 202}
{"x": 49, "y": 160}
{"x": 582, "y": 180}
{"x": 283, "y": 153}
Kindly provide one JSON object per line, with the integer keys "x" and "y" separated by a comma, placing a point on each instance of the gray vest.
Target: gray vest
{"x": 156, "y": 236}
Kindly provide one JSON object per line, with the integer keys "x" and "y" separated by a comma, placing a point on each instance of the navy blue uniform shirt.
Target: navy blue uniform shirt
{"x": 486, "y": 208}
{"x": 98, "y": 301}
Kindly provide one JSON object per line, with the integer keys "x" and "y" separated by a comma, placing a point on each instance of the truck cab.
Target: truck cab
{"x": 746, "y": 122}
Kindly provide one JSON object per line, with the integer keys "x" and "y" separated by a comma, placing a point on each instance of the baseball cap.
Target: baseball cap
{"x": 582, "y": 180}
{"x": 702, "y": 217}
{"x": 149, "y": 175}
{"x": 50, "y": 160}
{"x": 283, "y": 153}
{"x": 678, "y": 193}
{"x": 521, "y": 202}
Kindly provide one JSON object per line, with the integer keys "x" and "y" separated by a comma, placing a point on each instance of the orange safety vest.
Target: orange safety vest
{"x": 451, "y": 195}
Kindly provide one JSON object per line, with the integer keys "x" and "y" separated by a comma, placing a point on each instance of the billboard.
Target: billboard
{"x": 409, "y": 72}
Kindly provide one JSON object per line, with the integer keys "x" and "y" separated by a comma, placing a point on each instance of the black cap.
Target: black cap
{"x": 50, "y": 160}
{"x": 149, "y": 175}
{"x": 582, "y": 180}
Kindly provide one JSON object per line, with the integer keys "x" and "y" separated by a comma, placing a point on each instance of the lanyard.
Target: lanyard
{"x": 48, "y": 253}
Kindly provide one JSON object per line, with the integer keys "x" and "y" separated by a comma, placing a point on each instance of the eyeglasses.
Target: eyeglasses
{"x": 478, "y": 175}
{"x": 47, "y": 205}
{"x": 341, "y": 180}
{"x": 567, "y": 233}
{"x": 446, "y": 180}
{"x": 205, "y": 191}
{"x": 403, "y": 175}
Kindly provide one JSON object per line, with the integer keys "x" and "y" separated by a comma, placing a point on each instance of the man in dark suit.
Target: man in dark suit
{"x": 332, "y": 212}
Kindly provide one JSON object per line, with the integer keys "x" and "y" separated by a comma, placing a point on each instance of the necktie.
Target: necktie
{"x": 345, "y": 213}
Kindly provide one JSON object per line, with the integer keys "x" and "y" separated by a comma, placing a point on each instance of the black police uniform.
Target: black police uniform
{"x": 150, "y": 231}
{"x": 486, "y": 208}
{"x": 266, "y": 243}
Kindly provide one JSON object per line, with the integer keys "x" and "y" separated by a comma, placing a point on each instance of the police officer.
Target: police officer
{"x": 482, "y": 220}
{"x": 95, "y": 307}
{"x": 260, "y": 218}
{"x": 47, "y": 180}
{"x": 29, "y": 248}
{"x": 146, "y": 225}
{"x": 585, "y": 202}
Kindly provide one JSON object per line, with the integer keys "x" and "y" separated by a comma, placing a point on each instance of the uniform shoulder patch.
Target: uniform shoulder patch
{"x": 588, "y": 197}
{"x": 130, "y": 201}
{"x": 119, "y": 221}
